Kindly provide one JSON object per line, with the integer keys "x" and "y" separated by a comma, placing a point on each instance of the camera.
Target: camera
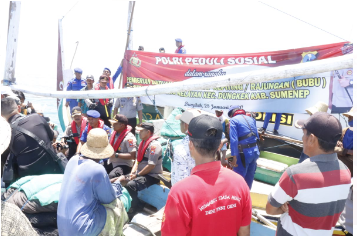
{"x": 59, "y": 146}
{"x": 69, "y": 138}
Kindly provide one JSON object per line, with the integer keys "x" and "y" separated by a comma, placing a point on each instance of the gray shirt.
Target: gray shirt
{"x": 129, "y": 106}
{"x": 128, "y": 145}
{"x": 69, "y": 130}
{"x": 152, "y": 156}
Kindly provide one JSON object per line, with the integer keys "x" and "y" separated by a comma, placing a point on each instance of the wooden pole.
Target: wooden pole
{"x": 12, "y": 40}
{"x": 264, "y": 75}
{"x": 126, "y": 45}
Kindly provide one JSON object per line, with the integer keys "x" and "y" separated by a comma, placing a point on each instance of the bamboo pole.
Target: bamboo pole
{"x": 126, "y": 46}
{"x": 264, "y": 75}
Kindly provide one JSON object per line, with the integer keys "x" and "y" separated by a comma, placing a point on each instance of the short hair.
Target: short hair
{"x": 206, "y": 147}
{"x": 323, "y": 145}
{"x": 8, "y": 106}
{"x": 103, "y": 76}
{"x": 19, "y": 94}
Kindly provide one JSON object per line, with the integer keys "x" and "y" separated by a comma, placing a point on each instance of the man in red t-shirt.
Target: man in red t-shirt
{"x": 213, "y": 200}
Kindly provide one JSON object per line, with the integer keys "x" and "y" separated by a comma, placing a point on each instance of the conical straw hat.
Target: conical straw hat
{"x": 97, "y": 145}
{"x": 319, "y": 107}
{"x": 5, "y": 135}
{"x": 350, "y": 113}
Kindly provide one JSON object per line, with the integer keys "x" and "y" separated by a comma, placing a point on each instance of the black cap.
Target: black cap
{"x": 76, "y": 111}
{"x": 119, "y": 118}
{"x": 129, "y": 84}
{"x": 205, "y": 127}
{"x": 323, "y": 125}
{"x": 146, "y": 125}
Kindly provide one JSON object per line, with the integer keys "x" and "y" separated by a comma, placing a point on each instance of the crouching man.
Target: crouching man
{"x": 147, "y": 166}
{"x": 89, "y": 204}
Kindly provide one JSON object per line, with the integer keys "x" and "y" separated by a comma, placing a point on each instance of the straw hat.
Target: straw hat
{"x": 350, "y": 113}
{"x": 319, "y": 107}
{"x": 97, "y": 145}
{"x": 5, "y": 137}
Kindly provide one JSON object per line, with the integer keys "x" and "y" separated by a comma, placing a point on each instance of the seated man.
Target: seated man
{"x": 84, "y": 190}
{"x": 27, "y": 157}
{"x": 93, "y": 122}
{"x": 78, "y": 125}
{"x": 124, "y": 144}
{"x": 148, "y": 165}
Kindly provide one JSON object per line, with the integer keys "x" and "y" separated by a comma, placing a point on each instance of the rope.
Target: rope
{"x": 304, "y": 21}
{"x": 70, "y": 9}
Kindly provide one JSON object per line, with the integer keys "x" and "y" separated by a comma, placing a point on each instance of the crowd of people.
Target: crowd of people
{"x": 210, "y": 195}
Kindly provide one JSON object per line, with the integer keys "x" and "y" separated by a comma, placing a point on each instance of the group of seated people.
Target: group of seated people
{"x": 204, "y": 202}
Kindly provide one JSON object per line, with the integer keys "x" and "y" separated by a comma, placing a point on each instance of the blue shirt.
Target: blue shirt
{"x": 348, "y": 139}
{"x": 239, "y": 128}
{"x": 182, "y": 50}
{"x": 85, "y": 187}
{"x": 117, "y": 73}
{"x": 85, "y": 133}
{"x": 75, "y": 85}
{"x": 84, "y": 106}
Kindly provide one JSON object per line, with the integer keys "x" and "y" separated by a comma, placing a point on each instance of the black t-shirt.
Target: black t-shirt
{"x": 31, "y": 158}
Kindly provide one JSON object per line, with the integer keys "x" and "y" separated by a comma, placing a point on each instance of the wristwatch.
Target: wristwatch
{"x": 116, "y": 155}
{"x": 137, "y": 175}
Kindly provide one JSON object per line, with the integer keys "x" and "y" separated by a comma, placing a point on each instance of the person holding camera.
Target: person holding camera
{"x": 27, "y": 156}
{"x": 74, "y": 131}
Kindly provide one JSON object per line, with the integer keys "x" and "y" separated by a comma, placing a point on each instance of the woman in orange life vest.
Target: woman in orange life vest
{"x": 103, "y": 105}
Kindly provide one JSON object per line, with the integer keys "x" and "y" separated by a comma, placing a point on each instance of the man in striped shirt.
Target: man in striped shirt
{"x": 311, "y": 195}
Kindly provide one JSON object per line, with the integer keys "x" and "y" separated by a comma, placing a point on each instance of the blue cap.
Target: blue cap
{"x": 93, "y": 114}
{"x": 79, "y": 70}
{"x": 178, "y": 39}
{"x": 107, "y": 70}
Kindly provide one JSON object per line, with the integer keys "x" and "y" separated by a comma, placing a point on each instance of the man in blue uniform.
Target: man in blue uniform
{"x": 244, "y": 146}
{"x": 93, "y": 122}
{"x": 277, "y": 122}
{"x": 75, "y": 84}
{"x": 180, "y": 48}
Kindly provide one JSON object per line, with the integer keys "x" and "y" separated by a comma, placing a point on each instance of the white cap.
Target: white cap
{"x": 188, "y": 115}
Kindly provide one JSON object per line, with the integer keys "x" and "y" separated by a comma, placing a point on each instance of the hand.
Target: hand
{"x": 132, "y": 176}
{"x": 29, "y": 104}
{"x": 224, "y": 163}
{"x": 113, "y": 180}
{"x": 339, "y": 144}
{"x": 52, "y": 125}
{"x": 285, "y": 207}
{"x": 344, "y": 82}
{"x": 67, "y": 104}
{"x": 234, "y": 162}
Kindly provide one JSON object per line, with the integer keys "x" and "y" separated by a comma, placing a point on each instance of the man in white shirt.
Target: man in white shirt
{"x": 183, "y": 163}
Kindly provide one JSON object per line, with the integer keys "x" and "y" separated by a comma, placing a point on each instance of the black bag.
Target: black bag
{"x": 59, "y": 158}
